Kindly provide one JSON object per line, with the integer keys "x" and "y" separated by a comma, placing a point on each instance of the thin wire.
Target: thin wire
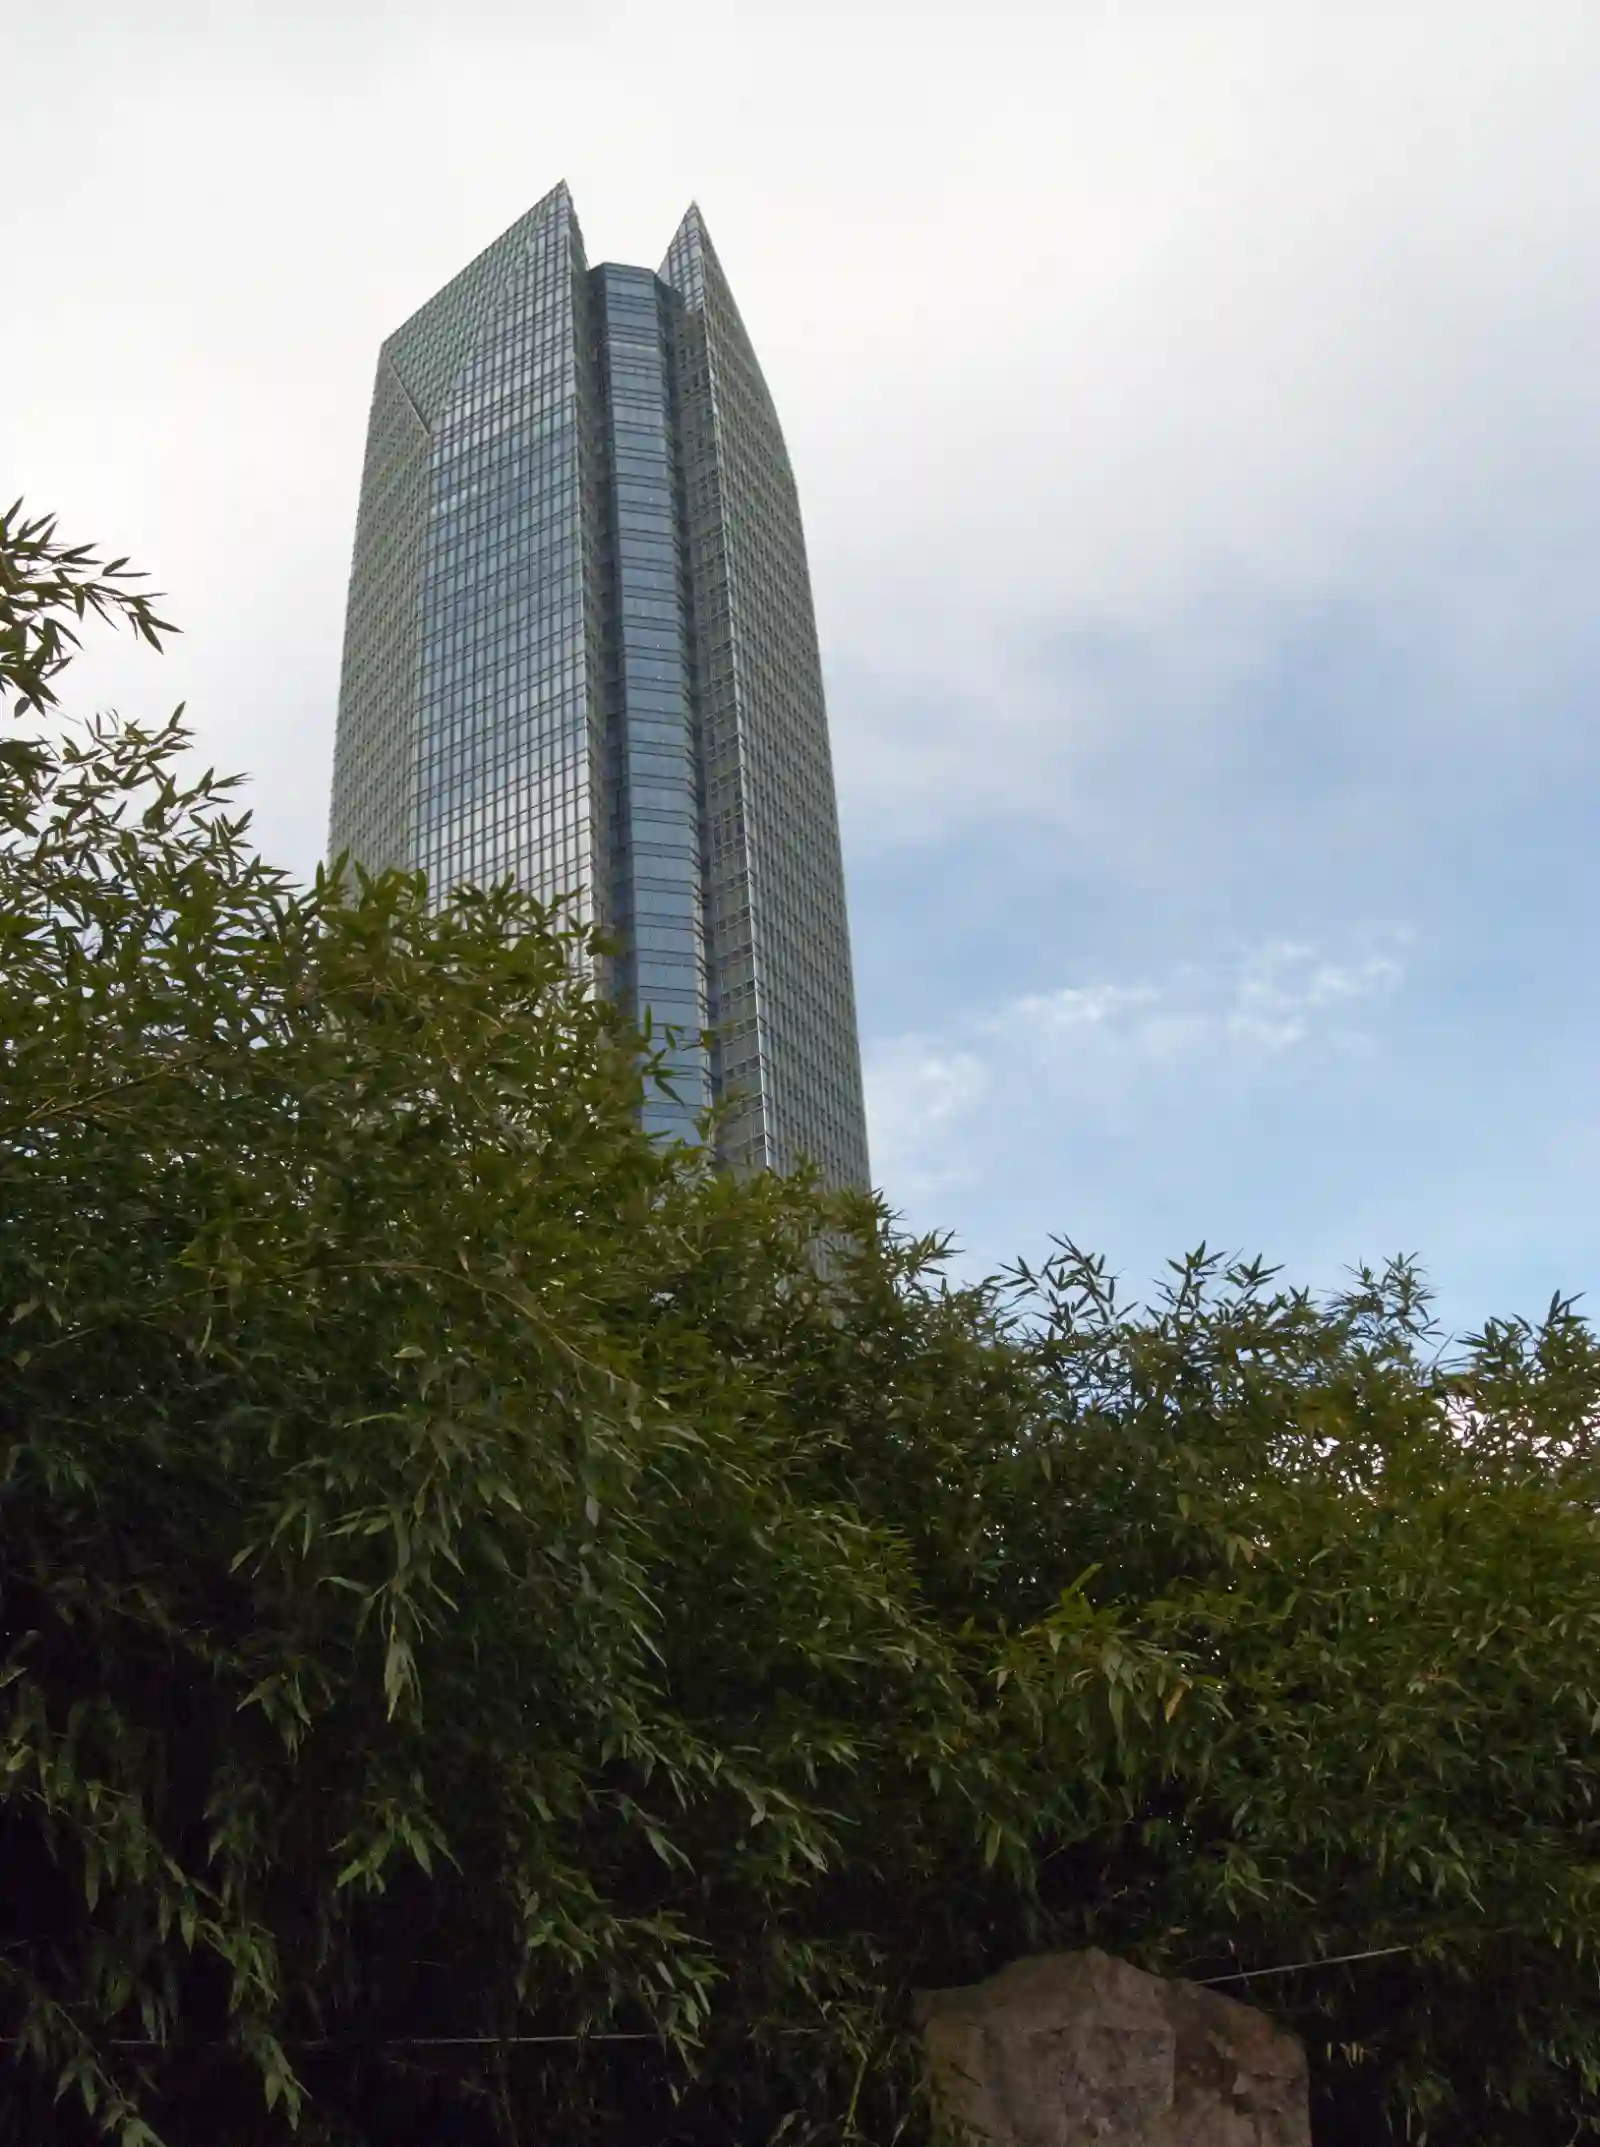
{"x": 1289, "y": 1968}
{"x": 422, "y": 2042}
{"x": 504, "y": 2042}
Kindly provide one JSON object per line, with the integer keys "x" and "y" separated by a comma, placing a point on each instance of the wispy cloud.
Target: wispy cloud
{"x": 1102, "y": 1047}
{"x": 921, "y": 1095}
{"x": 1286, "y": 993}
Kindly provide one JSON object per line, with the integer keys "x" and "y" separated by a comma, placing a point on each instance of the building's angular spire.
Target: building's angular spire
{"x": 542, "y": 434}
{"x": 429, "y": 349}
{"x": 690, "y": 258}
{"x": 691, "y": 231}
{"x": 693, "y": 270}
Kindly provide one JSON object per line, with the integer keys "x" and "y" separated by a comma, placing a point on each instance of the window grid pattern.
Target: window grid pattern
{"x": 653, "y": 781}
{"x": 373, "y": 754}
{"x": 782, "y": 996}
{"x": 580, "y": 652}
{"x": 373, "y": 813}
{"x": 508, "y": 736}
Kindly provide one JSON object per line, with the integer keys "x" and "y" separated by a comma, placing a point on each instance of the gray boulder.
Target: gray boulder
{"x": 1066, "y": 2049}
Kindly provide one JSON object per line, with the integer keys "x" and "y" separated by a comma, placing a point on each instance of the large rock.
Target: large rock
{"x": 1072, "y": 2048}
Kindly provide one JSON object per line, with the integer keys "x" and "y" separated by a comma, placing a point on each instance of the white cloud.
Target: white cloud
{"x": 1092, "y": 1006}
{"x": 920, "y": 1095}
{"x": 1134, "y": 317}
{"x": 1270, "y": 999}
{"x": 1104, "y": 1053}
{"x": 1283, "y": 988}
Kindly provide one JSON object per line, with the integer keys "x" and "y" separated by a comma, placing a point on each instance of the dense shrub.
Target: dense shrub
{"x": 505, "y": 1640}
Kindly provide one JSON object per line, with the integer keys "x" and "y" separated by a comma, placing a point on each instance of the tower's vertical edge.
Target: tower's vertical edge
{"x": 782, "y": 999}
{"x": 471, "y": 727}
{"x": 510, "y": 736}
{"x": 375, "y": 750}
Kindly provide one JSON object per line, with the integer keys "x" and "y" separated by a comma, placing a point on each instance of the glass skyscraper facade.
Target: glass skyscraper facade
{"x": 580, "y": 650}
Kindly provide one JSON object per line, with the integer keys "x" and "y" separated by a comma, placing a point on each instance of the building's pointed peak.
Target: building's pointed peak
{"x": 689, "y": 252}
{"x": 428, "y": 349}
{"x": 556, "y": 211}
{"x": 557, "y": 201}
{"x": 691, "y": 233}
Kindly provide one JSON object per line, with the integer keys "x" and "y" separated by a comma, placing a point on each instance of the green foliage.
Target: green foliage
{"x": 44, "y": 587}
{"x": 1380, "y": 1572}
{"x": 419, "y": 1621}
{"x": 502, "y": 1641}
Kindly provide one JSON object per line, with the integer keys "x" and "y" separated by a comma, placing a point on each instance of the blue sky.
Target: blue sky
{"x": 1196, "y": 421}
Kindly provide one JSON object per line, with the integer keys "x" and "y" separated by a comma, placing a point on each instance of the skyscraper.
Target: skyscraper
{"x": 580, "y": 650}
